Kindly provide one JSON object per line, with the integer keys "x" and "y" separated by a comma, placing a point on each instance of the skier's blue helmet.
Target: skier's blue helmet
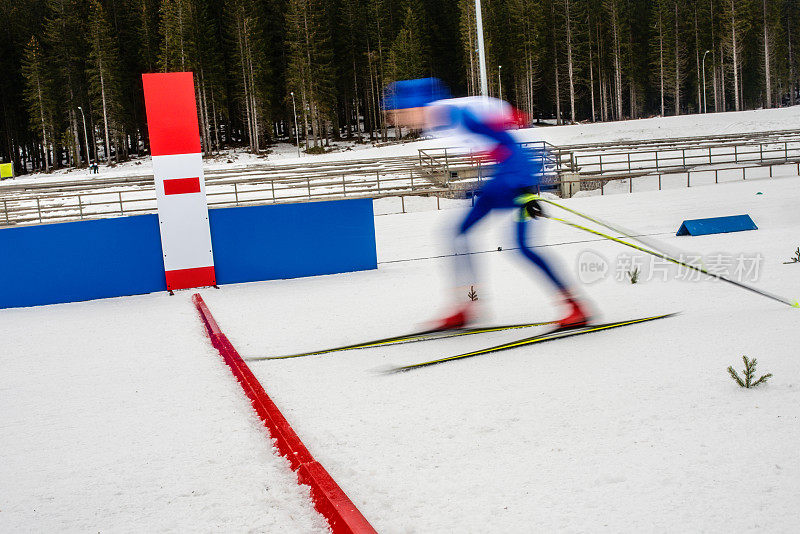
{"x": 414, "y": 93}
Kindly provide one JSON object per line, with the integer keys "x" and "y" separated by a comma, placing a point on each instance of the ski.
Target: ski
{"x": 424, "y": 335}
{"x": 550, "y": 336}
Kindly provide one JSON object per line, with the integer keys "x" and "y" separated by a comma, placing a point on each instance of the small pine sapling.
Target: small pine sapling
{"x": 473, "y": 295}
{"x": 795, "y": 258}
{"x": 634, "y": 275}
{"x": 749, "y": 373}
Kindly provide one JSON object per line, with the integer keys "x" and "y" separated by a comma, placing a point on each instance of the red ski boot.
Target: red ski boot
{"x": 464, "y": 315}
{"x": 576, "y": 318}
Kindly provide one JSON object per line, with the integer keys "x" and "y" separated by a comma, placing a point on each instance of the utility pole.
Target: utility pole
{"x": 704, "y": 80}
{"x": 500, "y": 79}
{"x": 296, "y": 132}
{"x": 481, "y": 52}
{"x": 85, "y": 137}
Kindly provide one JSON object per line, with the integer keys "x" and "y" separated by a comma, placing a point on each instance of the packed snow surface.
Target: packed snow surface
{"x": 637, "y": 429}
{"x": 118, "y": 415}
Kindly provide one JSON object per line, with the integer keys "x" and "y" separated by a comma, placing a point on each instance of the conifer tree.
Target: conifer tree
{"x": 38, "y": 95}
{"x": 310, "y": 67}
{"x": 406, "y": 55}
{"x": 104, "y": 78}
{"x": 64, "y": 28}
{"x": 251, "y": 69}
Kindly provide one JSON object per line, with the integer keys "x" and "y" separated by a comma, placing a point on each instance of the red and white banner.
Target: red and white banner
{"x": 180, "y": 186}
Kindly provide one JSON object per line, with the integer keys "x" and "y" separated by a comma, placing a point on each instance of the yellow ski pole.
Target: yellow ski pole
{"x": 661, "y": 255}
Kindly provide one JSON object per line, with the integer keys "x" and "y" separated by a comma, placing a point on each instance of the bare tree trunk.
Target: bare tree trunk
{"x": 735, "y": 51}
{"x": 661, "y": 59}
{"x": 305, "y": 114}
{"x": 591, "y": 75}
{"x": 791, "y": 59}
{"x": 677, "y": 66}
{"x": 722, "y": 79}
{"x": 44, "y": 128}
{"x": 569, "y": 61}
{"x": 105, "y": 111}
{"x": 242, "y": 28}
{"x": 714, "y": 60}
{"x": 379, "y": 79}
{"x": 601, "y": 77}
{"x": 617, "y": 61}
{"x": 697, "y": 57}
{"x": 254, "y": 100}
{"x": 768, "y": 81}
{"x": 214, "y": 119}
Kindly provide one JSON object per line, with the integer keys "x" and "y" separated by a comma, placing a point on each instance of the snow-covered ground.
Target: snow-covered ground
{"x": 627, "y": 431}
{"x": 118, "y": 415}
{"x": 633, "y": 130}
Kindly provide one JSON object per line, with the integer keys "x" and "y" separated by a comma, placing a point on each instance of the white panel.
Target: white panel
{"x": 183, "y": 218}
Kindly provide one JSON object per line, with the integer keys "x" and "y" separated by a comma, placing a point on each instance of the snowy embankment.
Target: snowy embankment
{"x": 633, "y": 130}
{"x": 639, "y": 429}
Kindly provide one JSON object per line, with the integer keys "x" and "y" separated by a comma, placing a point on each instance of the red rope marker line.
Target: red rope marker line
{"x": 329, "y": 499}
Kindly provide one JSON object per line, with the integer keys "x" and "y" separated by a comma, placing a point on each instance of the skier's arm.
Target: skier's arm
{"x": 493, "y": 132}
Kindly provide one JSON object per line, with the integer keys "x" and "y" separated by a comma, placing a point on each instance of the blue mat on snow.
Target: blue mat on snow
{"x": 717, "y": 225}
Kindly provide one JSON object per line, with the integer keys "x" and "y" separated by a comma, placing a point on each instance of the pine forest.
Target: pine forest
{"x": 71, "y": 90}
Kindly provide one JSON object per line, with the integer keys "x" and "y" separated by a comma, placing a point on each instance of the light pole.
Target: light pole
{"x": 704, "y": 80}
{"x": 85, "y": 137}
{"x": 296, "y": 132}
{"x": 481, "y": 53}
{"x": 500, "y": 79}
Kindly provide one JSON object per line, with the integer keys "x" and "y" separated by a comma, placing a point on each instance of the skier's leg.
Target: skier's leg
{"x": 537, "y": 260}
{"x": 464, "y": 272}
{"x": 576, "y": 316}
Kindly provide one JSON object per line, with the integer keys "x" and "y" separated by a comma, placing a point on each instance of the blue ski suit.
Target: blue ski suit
{"x": 515, "y": 173}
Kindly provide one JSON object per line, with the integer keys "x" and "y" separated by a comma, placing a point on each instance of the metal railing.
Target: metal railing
{"x": 439, "y": 172}
{"x": 34, "y": 207}
{"x": 658, "y": 181}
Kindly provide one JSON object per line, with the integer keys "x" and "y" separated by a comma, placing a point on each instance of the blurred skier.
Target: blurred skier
{"x": 481, "y": 122}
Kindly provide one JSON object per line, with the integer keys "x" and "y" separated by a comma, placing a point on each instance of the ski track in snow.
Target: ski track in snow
{"x": 635, "y": 430}
{"x": 118, "y": 415}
